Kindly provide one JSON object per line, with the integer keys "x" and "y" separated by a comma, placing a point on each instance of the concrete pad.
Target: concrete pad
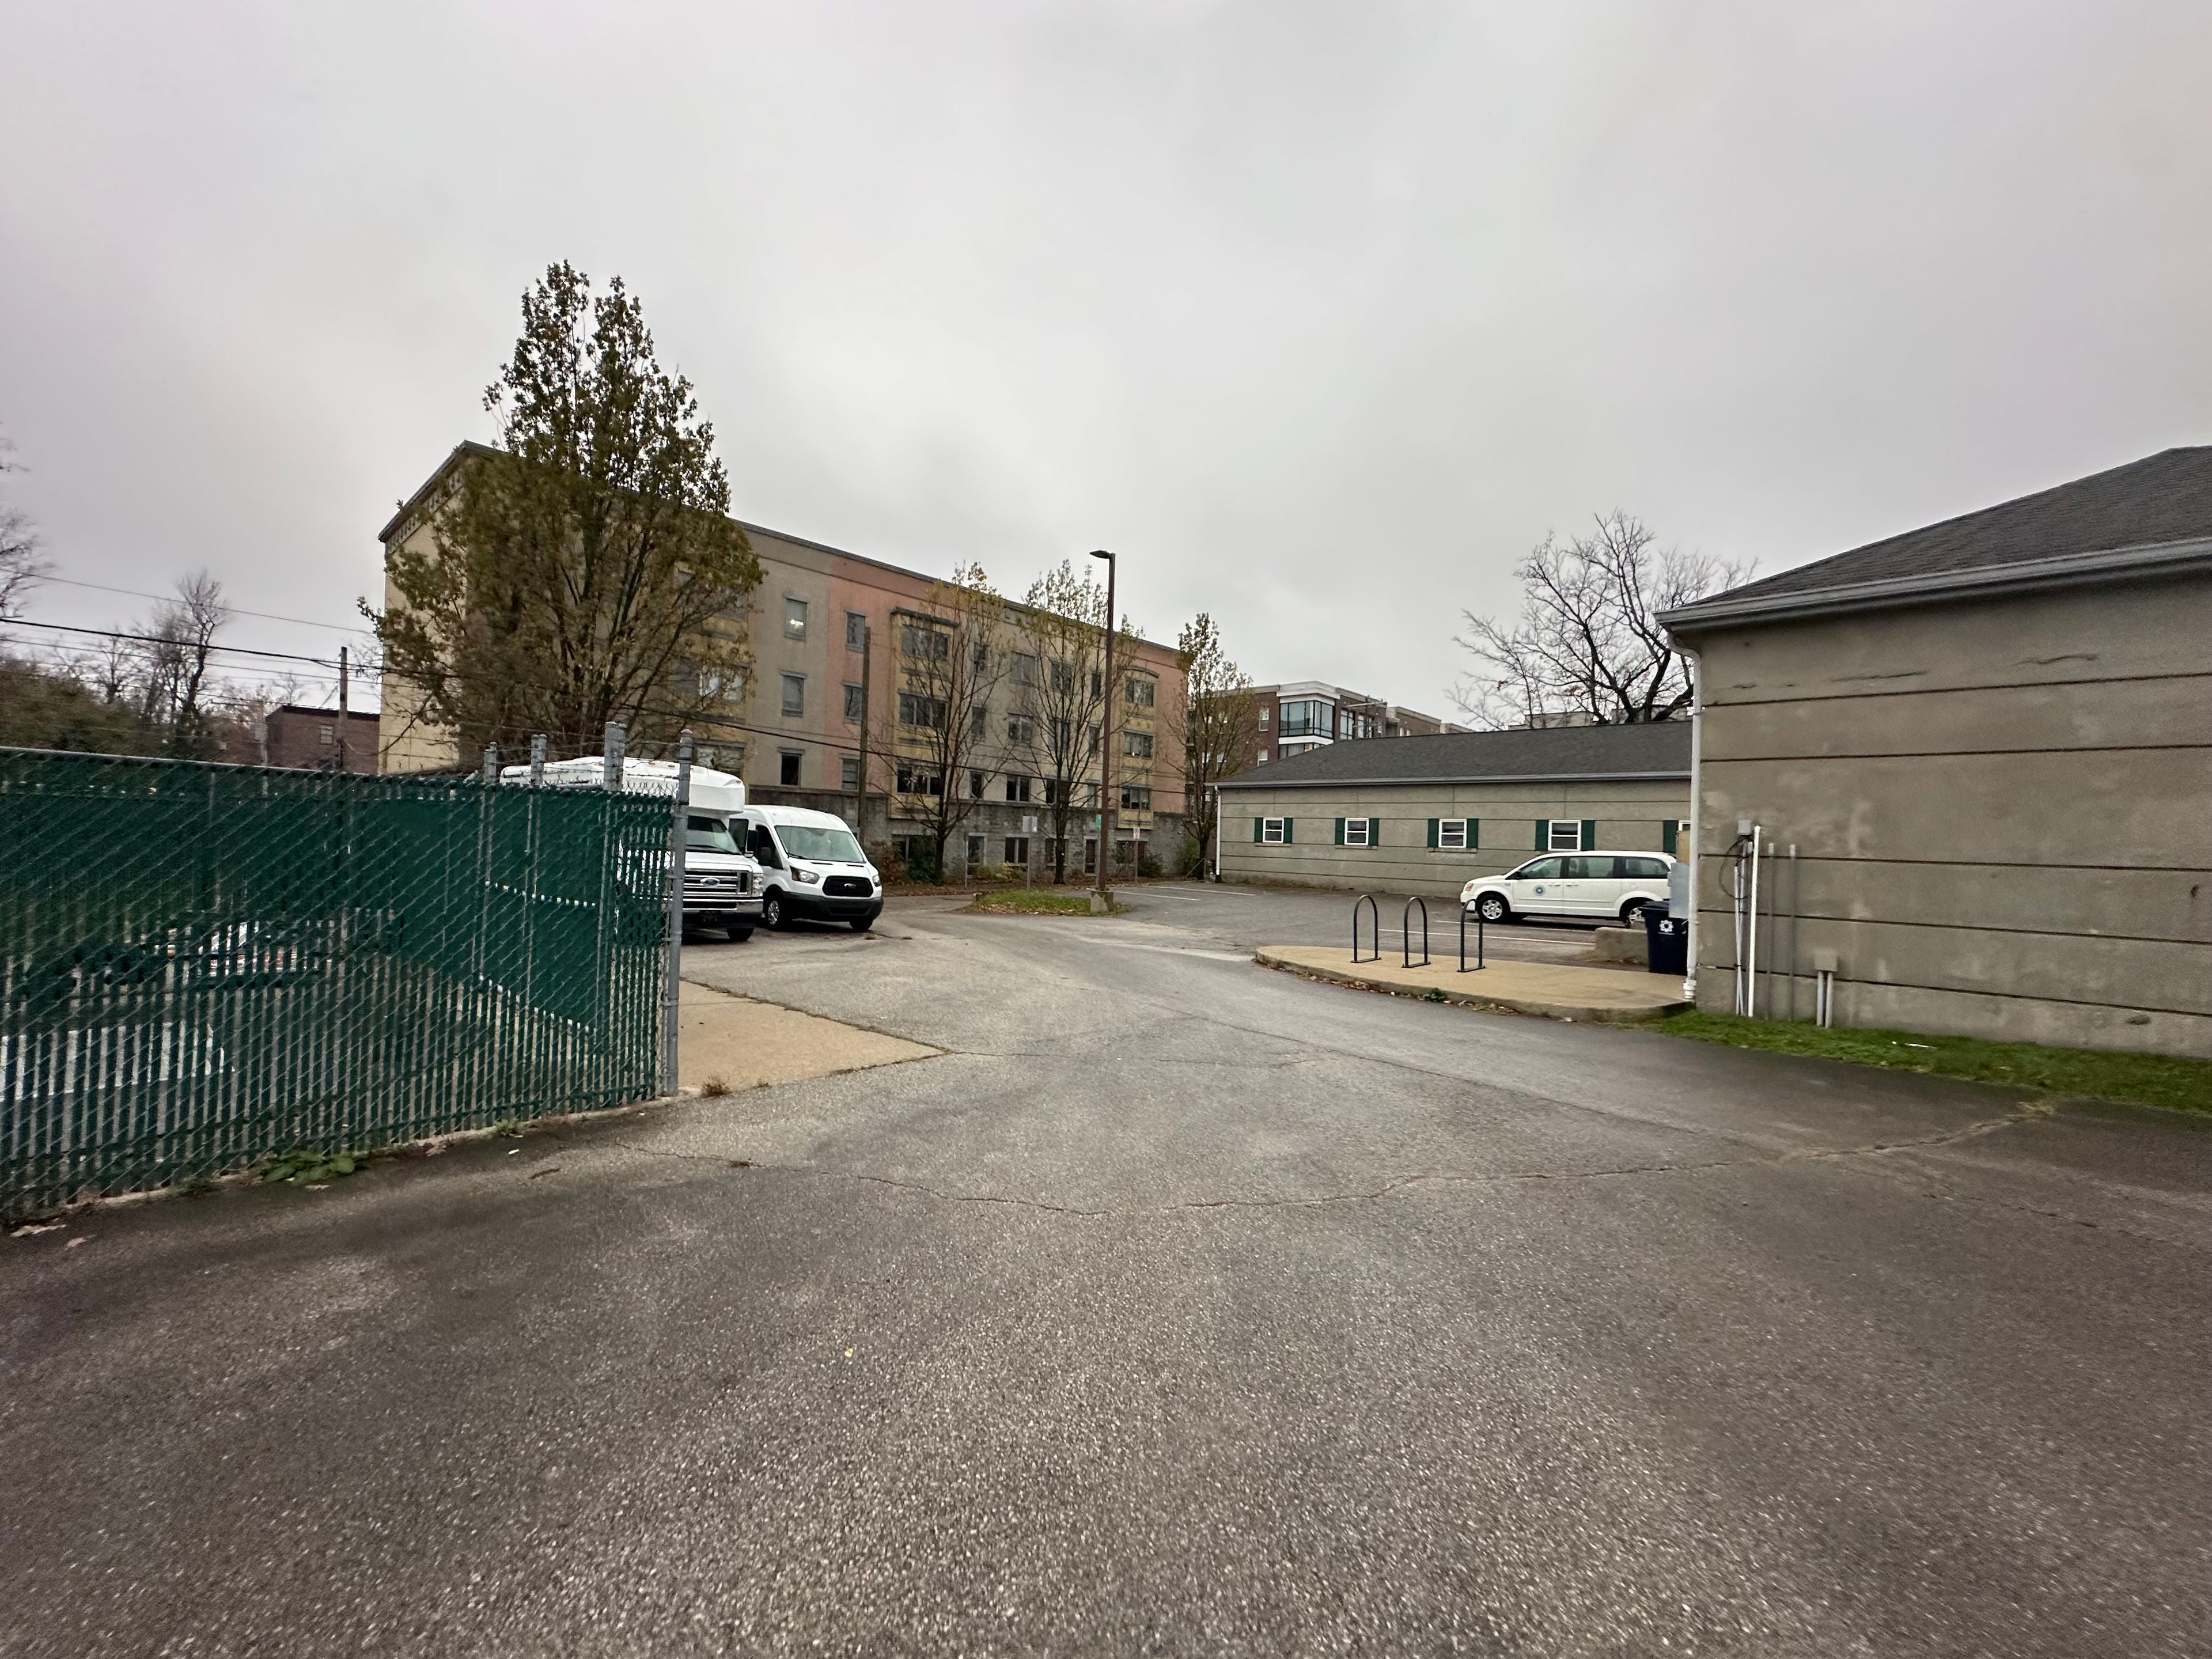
{"x": 742, "y": 1043}
{"x": 1522, "y": 987}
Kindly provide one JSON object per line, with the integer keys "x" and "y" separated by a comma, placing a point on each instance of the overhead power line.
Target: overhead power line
{"x": 156, "y": 639}
{"x": 264, "y": 616}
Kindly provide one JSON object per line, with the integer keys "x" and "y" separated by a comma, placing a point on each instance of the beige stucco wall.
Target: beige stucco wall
{"x": 2001, "y": 812}
{"x": 1631, "y": 817}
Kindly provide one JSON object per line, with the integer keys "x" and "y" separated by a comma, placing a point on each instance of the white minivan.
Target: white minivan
{"x": 1590, "y": 886}
{"x": 811, "y": 866}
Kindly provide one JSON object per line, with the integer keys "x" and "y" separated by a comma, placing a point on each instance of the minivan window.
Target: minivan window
{"x": 1539, "y": 870}
{"x": 1590, "y": 869}
{"x": 835, "y": 845}
{"x": 707, "y": 835}
{"x": 1645, "y": 869}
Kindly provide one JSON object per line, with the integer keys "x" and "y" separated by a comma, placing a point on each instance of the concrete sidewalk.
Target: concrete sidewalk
{"x": 731, "y": 1043}
{"x": 1520, "y": 988}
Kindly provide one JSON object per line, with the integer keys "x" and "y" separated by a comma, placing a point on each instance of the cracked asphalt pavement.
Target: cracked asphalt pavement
{"x": 1177, "y": 1307}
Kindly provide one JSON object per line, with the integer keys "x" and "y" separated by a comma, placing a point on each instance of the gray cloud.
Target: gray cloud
{"x": 1321, "y": 313}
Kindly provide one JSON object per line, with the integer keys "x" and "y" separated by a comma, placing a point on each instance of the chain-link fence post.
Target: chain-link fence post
{"x": 671, "y": 988}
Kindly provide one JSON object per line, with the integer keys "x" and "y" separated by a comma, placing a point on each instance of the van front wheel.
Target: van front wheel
{"x": 772, "y": 910}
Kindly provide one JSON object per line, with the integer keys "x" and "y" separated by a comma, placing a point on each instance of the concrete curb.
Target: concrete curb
{"x": 1489, "y": 1003}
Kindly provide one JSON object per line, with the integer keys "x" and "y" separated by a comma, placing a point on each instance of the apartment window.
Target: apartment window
{"x": 930, "y": 644}
{"x": 1359, "y": 832}
{"x": 856, "y": 631}
{"x": 914, "y": 709}
{"x": 1308, "y": 719}
{"x": 1063, "y": 676}
{"x": 326, "y": 735}
{"x": 1141, "y": 692}
{"x": 848, "y": 772}
{"x": 1021, "y": 731}
{"x": 1018, "y": 849}
{"x": 1263, "y": 757}
{"x": 854, "y": 708}
{"x": 1024, "y": 668}
{"x": 914, "y": 778}
{"x": 1263, "y": 720}
{"x": 1052, "y": 792}
{"x": 1564, "y": 836}
{"x": 1274, "y": 831}
{"x": 979, "y": 724}
{"x": 1136, "y": 798}
{"x": 1062, "y": 735}
{"x": 1451, "y": 834}
{"x": 1018, "y": 787}
{"x": 1137, "y": 746}
{"x": 794, "y": 619}
{"x": 981, "y": 657}
{"x": 716, "y": 685}
{"x": 787, "y": 771}
{"x": 974, "y": 851}
{"x": 794, "y": 693}
{"x": 977, "y": 783}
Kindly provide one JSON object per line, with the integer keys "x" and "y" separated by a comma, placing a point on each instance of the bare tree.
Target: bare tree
{"x": 951, "y": 660}
{"x": 21, "y": 567}
{"x": 1223, "y": 727}
{"x": 173, "y": 661}
{"x": 1061, "y": 684}
{"x": 1589, "y": 643}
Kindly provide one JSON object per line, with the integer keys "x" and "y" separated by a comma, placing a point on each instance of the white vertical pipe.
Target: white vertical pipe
{"x": 1697, "y": 817}
{"x": 1751, "y": 929}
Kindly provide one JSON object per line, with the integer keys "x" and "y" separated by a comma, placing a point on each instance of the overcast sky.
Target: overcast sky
{"x": 1320, "y": 314}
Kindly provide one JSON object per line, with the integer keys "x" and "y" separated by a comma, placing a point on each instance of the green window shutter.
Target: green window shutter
{"x": 1374, "y": 832}
{"x": 1339, "y": 832}
{"x": 1474, "y": 833}
{"x": 1286, "y": 832}
{"x": 1432, "y": 831}
{"x": 1543, "y": 835}
{"x": 1590, "y": 833}
{"x": 1667, "y": 836}
{"x": 1256, "y": 825}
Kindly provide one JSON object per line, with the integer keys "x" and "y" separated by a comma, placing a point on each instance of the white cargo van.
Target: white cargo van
{"x": 721, "y": 882}
{"x": 811, "y": 866}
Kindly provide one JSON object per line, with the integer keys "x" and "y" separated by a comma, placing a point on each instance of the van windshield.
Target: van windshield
{"x": 804, "y": 841}
{"x": 707, "y": 835}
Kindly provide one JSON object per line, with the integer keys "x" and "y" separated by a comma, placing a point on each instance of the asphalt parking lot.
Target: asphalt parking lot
{"x": 1175, "y": 1306}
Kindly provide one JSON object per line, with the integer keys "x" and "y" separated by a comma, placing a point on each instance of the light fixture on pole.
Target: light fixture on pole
{"x": 1106, "y": 736}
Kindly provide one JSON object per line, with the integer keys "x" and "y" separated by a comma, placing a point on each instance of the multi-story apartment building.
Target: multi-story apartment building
{"x": 832, "y": 714}
{"x": 1300, "y": 715}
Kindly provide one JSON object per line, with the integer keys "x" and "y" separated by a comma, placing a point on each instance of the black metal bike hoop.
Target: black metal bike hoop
{"x": 1406, "y": 932}
{"x": 1375, "y": 922}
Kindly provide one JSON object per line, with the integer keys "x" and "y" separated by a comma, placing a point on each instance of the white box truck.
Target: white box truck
{"x": 722, "y": 885}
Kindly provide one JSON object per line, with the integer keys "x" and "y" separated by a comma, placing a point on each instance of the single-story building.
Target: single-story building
{"x": 1979, "y": 757}
{"x": 1424, "y": 815}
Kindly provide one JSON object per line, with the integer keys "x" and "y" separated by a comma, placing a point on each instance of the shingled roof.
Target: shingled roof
{"x": 1551, "y": 753}
{"x": 2155, "y": 511}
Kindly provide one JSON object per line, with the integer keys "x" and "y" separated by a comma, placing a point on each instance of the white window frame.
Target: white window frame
{"x": 1361, "y": 826}
{"x": 1446, "y": 828}
{"x": 1552, "y": 835}
{"x": 795, "y": 616}
{"x": 1271, "y": 832}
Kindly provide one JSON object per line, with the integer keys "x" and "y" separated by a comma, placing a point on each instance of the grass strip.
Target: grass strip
{"x": 2165, "y": 1080}
{"x": 1038, "y": 902}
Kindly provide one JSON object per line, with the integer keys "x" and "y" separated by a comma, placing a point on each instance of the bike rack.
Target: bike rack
{"x": 1463, "y": 968}
{"x": 1406, "y": 932}
{"x": 1374, "y": 921}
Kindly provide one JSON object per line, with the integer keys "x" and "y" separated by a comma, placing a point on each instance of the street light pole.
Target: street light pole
{"x": 1106, "y": 748}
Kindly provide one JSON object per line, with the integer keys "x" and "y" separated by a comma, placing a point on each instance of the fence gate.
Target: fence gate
{"x": 201, "y": 964}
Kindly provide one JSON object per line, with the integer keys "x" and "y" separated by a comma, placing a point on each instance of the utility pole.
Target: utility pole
{"x": 672, "y": 985}
{"x": 345, "y": 682}
{"x": 1106, "y": 752}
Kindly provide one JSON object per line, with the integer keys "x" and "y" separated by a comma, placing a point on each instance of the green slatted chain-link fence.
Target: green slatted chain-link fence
{"x": 200, "y": 965}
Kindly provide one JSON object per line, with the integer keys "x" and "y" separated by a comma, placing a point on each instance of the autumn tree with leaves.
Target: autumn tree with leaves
{"x": 587, "y": 570}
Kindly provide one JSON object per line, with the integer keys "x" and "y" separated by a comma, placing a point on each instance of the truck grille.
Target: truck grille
{"x": 714, "y": 887}
{"x": 846, "y": 886}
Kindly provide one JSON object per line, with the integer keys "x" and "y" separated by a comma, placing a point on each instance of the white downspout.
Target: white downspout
{"x": 1697, "y": 816}
{"x": 1216, "y": 832}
